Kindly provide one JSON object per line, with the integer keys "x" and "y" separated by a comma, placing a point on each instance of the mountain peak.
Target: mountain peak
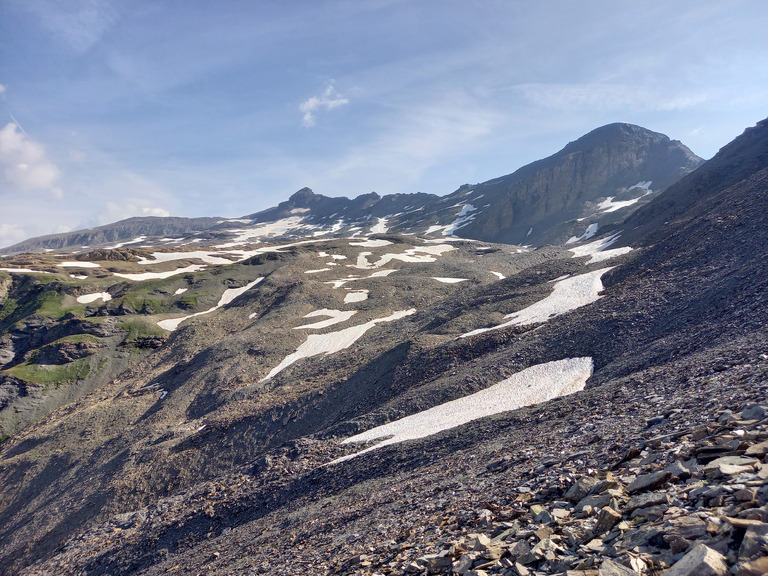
{"x": 302, "y": 196}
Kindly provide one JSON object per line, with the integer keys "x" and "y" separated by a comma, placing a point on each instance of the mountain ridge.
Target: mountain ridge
{"x": 211, "y": 446}
{"x": 546, "y": 201}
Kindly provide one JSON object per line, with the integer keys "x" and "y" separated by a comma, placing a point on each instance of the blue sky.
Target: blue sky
{"x": 118, "y": 108}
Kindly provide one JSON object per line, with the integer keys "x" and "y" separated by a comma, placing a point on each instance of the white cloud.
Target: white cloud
{"x": 2, "y": 88}
{"x": 11, "y": 234}
{"x": 328, "y": 100}
{"x": 114, "y": 211}
{"x": 24, "y": 163}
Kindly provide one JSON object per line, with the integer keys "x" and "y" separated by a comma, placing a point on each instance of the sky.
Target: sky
{"x": 118, "y": 108}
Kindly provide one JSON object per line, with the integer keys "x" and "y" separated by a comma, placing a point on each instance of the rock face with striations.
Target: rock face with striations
{"x": 610, "y": 161}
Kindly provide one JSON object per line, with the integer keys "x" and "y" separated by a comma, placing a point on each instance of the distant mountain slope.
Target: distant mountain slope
{"x": 592, "y": 182}
{"x": 131, "y": 230}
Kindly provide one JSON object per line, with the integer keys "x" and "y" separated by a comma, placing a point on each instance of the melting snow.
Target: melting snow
{"x": 645, "y": 185}
{"x": 180, "y": 291}
{"x": 160, "y": 275}
{"x": 316, "y": 271}
{"x": 226, "y": 298}
{"x": 355, "y": 296}
{"x": 449, "y": 280}
{"x": 566, "y": 295}
{"x": 608, "y": 205}
{"x": 336, "y": 317}
{"x": 499, "y": 275}
{"x": 533, "y": 385}
{"x": 333, "y": 342}
{"x": 597, "y": 250}
{"x": 419, "y": 254}
{"x": 462, "y": 219}
{"x": 78, "y": 276}
{"x": 88, "y": 298}
{"x": 207, "y": 257}
{"x": 24, "y": 270}
{"x": 371, "y": 243}
{"x": 380, "y": 227}
{"x": 588, "y": 233}
{"x": 79, "y": 265}
{"x": 268, "y": 230}
{"x": 378, "y": 274}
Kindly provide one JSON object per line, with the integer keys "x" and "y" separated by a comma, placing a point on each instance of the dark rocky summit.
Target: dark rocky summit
{"x": 220, "y": 449}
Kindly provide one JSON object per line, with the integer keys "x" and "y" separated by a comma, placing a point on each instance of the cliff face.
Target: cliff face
{"x": 621, "y": 161}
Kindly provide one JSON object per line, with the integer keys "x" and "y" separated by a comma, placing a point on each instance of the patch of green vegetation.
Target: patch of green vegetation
{"x": 4, "y": 437}
{"x": 8, "y": 307}
{"x": 51, "y": 374}
{"x": 77, "y": 338}
{"x": 139, "y": 328}
{"x": 188, "y": 301}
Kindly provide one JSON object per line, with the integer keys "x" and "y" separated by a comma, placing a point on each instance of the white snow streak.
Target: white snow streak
{"x": 597, "y": 250}
{"x": 498, "y": 275}
{"x": 226, "y": 298}
{"x": 161, "y": 275}
{"x": 449, "y": 280}
{"x": 371, "y": 243}
{"x": 333, "y": 341}
{"x": 355, "y": 296}
{"x": 88, "y": 298}
{"x": 336, "y": 317}
{"x": 566, "y": 295}
{"x": 79, "y": 265}
{"x": 533, "y": 385}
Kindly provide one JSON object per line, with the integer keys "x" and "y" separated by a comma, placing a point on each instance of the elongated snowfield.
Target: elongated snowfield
{"x": 567, "y": 295}
{"x": 88, "y": 298}
{"x": 333, "y": 341}
{"x": 335, "y": 317}
{"x": 226, "y": 298}
{"x": 597, "y": 250}
{"x": 533, "y": 385}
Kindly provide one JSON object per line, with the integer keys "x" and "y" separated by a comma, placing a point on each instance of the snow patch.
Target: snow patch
{"x": 24, "y": 271}
{"x": 533, "y": 385}
{"x": 161, "y": 275}
{"x": 567, "y": 295}
{"x": 597, "y": 250}
{"x": 420, "y": 254}
{"x": 180, "y": 291}
{"x": 449, "y": 280}
{"x": 88, "y": 298}
{"x": 79, "y": 265}
{"x": 316, "y": 271}
{"x": 499, "y": 275}
{"x": 226, "y": 298}
{"x": 336, "y": 317}
{"x": 588, "y": 233}
{"x": 355, "y": 296}
{"x": 380, "y": 227}
{"x": 371, "y": 243}
{"x": 316, "y": 344}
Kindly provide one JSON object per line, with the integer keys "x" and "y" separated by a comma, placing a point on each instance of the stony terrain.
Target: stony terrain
{"x": 222, "y": 382}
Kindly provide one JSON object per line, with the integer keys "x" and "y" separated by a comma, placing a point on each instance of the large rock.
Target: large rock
{"x": 700, "y": 561}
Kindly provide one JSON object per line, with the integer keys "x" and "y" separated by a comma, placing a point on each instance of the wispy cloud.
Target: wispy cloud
{"x": 79, "y": 25}
{"x": 328, "y": 100}
{"x": 24, "y": 163}
{"x": 606, "y": 97}
{"x": 2, "y": 88}
{"x": 114, "y": 211}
